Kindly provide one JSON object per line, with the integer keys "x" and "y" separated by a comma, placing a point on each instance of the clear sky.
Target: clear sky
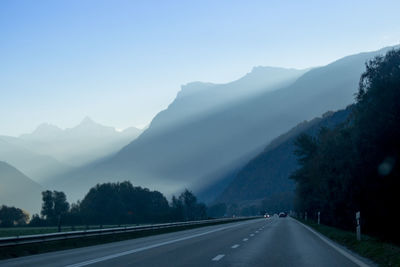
{"x": 121, "y": 62}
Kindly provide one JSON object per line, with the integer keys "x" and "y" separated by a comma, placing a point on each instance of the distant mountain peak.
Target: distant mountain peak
{"x": 87, "y": 121}
{"x": 46, "y": 129}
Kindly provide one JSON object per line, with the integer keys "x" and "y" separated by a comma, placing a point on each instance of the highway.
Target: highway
{"x": 261, "y": 242}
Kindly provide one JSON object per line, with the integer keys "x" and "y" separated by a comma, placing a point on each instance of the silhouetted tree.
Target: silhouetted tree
{"x": 177, "y": 209}
{"x": 117, "y": 203}
{"x": 355, "y": 167}
{"x": 37, "y": 221}
{"x": 186, "y": 207}
{"x": 11, "y": 216}
{"x": 217, "y": 210}
{"x": 54, "y": 206}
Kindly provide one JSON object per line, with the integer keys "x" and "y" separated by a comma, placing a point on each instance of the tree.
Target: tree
{"x": 48, "y": 205}
{"x": 117, "y": 203}
{"x": 189, "y": 202}
{"x": 54, "y": 206}
{"x": 217, "y": 210}
{"x": 177, "y": 209}
{"x": 37, "y": 221}
{"x": 186, "y": 207}
{"x": 11, "y": 216}
{"x": 355, "y": 167}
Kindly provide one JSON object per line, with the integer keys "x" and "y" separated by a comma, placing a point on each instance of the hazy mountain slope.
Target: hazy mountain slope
{"x": 79, "y": 145}
{"x": 195, "y": 102}
{"x": 170, "y": 156}
{"x": 17, "y": 190}
{"x": 37, "y": 166}
{"x": 268, "y": 173}
{"x": 197, "y": 98}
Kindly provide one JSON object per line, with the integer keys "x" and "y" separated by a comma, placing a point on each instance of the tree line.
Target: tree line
{"x": 109, "y": 204}
{"x": 355, "y": 166}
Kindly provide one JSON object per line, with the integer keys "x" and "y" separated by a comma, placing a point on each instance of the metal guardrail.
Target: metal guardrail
{"x": 27, "y": 239}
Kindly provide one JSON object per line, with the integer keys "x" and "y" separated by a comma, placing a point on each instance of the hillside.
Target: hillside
{"x": 267, "y": 175}
{"x": 35, "y": 165}
{"x": 17, "y": 190}
{"x": 196, "y": 151}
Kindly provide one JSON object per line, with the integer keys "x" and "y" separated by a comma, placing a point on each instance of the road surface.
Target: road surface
{"x": 262, "y": 242}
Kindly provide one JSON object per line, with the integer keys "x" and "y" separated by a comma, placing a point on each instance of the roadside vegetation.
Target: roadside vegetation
{"x": 355, "y": 166}
{"x": 382, "y": 253}
{"x": 105, "y": 205}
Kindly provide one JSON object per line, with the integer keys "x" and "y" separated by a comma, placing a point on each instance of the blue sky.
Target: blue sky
{"x": 121, "y": 62}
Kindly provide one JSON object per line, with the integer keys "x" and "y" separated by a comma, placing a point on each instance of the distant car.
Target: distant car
{"x": 282, "y": 214}
{"x": 266, "y": 215}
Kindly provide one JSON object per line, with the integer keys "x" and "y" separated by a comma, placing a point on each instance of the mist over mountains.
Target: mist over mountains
{"x": 18, "y": 190}
{"x": 81, "y": 144}
{"x": 37, "y": 166}
{"x": 50, "y": 151}
{"x": 266, "y": 176}
{"x": 210, "y": 129}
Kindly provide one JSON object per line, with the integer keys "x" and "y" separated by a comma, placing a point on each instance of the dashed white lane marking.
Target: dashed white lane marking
{"x": 113, "y": 256}
{"x": 252, "y": 235}
{"x": 218, "y": 257}
{"x": 235, "y": 246}
{"x": 256, "y": 232}
{"x": 245, "y": 239}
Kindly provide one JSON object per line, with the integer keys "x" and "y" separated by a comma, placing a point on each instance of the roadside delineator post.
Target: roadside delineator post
{"x": 319, "y": 214}
{"x": 358, "y": 228}
{"x": 305, "y": 216}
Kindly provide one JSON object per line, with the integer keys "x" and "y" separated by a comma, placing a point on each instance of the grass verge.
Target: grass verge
{"x": 382, "y": 253}
{"x": 49, "y": 246}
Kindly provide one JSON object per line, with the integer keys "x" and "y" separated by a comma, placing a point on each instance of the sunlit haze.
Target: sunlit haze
{"x": 121, "y": 62}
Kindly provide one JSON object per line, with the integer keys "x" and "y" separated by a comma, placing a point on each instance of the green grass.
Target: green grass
{"x": 382, "y": 253}
{"x": 20, "y": 231}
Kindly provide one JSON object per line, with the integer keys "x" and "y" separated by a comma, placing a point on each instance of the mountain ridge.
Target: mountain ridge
{"x": 175, "y": 152}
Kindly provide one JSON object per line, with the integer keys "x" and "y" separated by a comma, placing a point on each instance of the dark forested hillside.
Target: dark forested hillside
{"x": 267, "y": 175}
{"x": 355, "y": 167}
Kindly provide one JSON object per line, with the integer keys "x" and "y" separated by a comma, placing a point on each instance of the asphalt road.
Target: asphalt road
{"x": 261, "y": 242}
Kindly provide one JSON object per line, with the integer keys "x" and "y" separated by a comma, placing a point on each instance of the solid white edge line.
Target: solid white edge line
{"x": 218, "y": 257}
{"x": 112, "y": 256}
{"x": 338, "y": 249}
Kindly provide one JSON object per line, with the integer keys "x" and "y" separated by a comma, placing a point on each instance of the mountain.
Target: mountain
{"x": 85, "y": 143}
{"x": 17, "y": 190}
{"x": 209, "y": 128}
{"x": 267, "y": 175}
{"x": 196, "y": 99}
{"x": 194, "y": 102}
{"x": 35, "y": 165}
